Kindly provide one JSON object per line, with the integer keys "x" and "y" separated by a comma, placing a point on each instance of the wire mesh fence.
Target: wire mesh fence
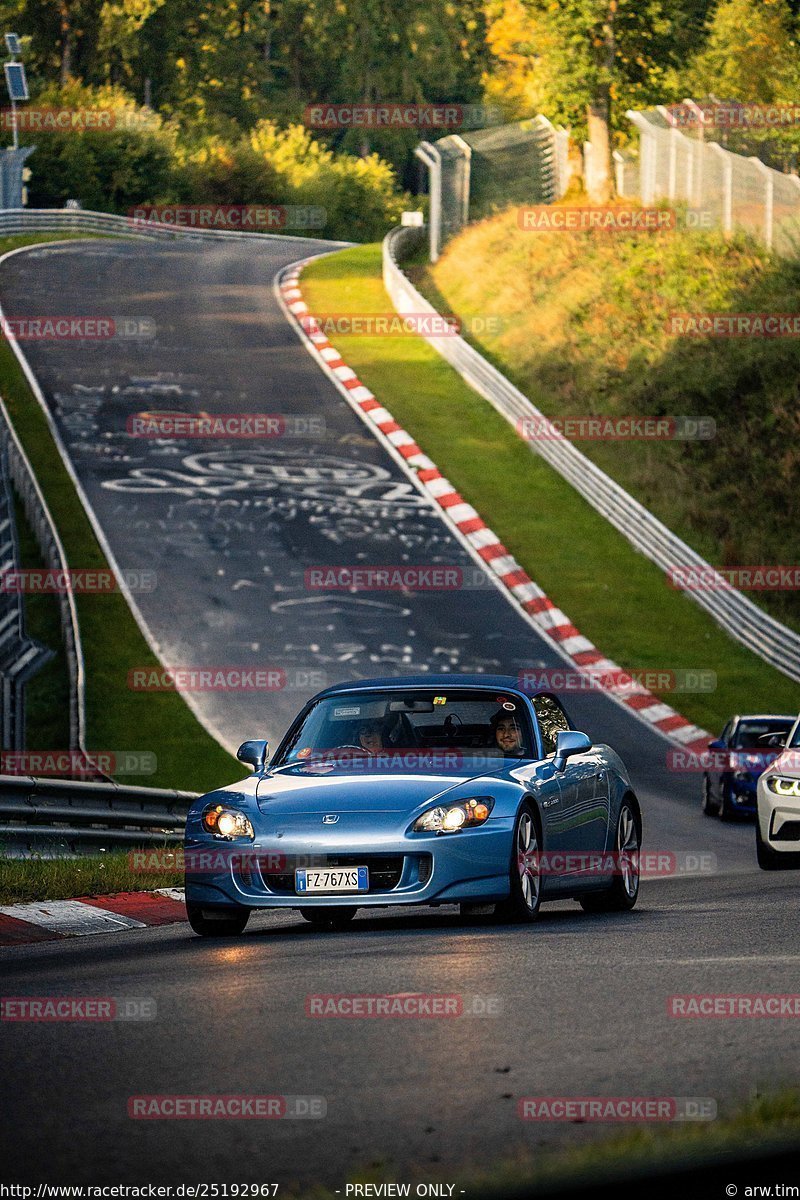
{"x": 474, "y": 174}
{"x": 730, "y": 191}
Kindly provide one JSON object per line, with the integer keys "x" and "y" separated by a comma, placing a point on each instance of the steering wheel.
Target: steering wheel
{"x": 350, "y": 746}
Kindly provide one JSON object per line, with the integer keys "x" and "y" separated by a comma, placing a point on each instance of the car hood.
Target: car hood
{"x": 304, "y": 788}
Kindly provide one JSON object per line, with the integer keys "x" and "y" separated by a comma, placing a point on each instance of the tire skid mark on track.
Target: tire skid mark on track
{"x": 548, "y": 619}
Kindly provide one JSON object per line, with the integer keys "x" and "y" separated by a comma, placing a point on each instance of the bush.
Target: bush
{"x": 145, "y": 160}
{"x": 111, "y": 169}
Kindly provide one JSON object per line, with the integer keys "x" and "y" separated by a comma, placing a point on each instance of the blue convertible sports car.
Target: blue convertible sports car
{"x": 425, "y": 790}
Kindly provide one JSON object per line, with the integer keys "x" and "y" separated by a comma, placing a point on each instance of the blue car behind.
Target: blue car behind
{"x": 736, "y": 760}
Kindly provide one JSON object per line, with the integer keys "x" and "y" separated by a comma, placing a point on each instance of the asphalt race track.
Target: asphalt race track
{"x": 584, "y": 1012}
{"x": 229, "y": 530}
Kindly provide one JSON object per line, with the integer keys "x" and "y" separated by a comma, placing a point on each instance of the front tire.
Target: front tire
{"x": 624, "y": 891}
{"x": 709, "y": 808}
{"x": 726, "y": 810}
{"x": 217, "y": 922}
{"x": 329, "y": 918}
{"x": 525, "y": 881}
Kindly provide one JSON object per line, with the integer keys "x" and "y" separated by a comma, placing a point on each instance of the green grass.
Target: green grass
{"x": 615, "y": 596}
{"x": 583, "y": 330}
{"x": 117, "y": 718}
{"x": 24, "y": 880}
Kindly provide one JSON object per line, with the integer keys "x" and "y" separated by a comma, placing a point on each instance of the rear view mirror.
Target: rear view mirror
{"x": 569, "y": 742}
{"x": 254, "y": 753}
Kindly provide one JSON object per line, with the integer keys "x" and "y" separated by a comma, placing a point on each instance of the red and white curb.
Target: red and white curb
{"x": 53, "y": 920}
{"x": 547, "y": 618}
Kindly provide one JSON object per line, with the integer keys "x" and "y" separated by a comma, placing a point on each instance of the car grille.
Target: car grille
{"x": 385, "y": 870}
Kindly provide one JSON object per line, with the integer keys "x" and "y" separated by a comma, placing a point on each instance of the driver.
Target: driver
{"x": 370, "y": 736}
{"x": 507, "y": 734}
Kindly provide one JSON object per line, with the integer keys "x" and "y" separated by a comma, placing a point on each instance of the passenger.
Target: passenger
{"x": 507, "y": 734}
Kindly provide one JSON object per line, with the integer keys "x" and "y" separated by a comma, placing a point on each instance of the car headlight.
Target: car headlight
{"x": 450, "y": 818}
{"x": 227, "y": 823}
{"x": 783, "y": 786}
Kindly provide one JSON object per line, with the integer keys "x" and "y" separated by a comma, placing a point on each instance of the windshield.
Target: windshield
{"x": 393, "y": 724}
{"x": 795, "y": 740}
{"x": 759, "y": 734}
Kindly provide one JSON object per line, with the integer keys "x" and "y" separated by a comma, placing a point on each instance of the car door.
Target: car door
{"x": 578, "y": 823}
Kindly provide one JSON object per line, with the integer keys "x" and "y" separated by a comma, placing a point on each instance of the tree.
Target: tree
{"x": 750, "y": 54}
{"x": 590, "y": 60}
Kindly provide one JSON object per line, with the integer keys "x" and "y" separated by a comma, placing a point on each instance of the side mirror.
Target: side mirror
{"x": 717, "y": 744}
{"x": 569, "y": 742}
{"x": 253, "y": 753}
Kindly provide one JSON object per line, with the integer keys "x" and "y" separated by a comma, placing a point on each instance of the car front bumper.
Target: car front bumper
{"x": 779, "y": 820}
{"x": 470, "y": 866}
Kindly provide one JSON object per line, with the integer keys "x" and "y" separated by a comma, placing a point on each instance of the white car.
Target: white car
{"x": 778, "y": 804}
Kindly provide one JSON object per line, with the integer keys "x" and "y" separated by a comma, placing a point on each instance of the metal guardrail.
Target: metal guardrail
{"x": 20, "y": 655}
{"x": 733, "y": 611}
{"x": 55, "y": 817}
{"x": 78, "y": 220}
{"x": 46, "y": 534}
